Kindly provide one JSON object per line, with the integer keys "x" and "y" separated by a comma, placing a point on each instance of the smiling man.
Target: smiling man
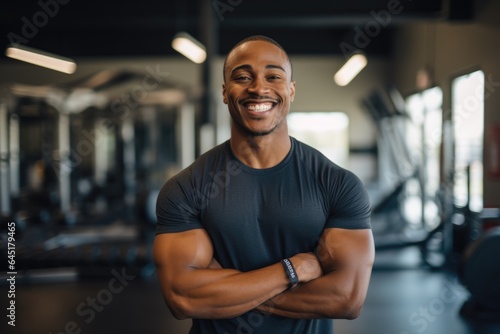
{"x": 263, "y": 234}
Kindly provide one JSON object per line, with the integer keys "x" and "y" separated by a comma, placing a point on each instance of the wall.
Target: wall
{"x": 316, "y": 90}
{"x": 179, "y": 70}
{"x": 453, "y": 49}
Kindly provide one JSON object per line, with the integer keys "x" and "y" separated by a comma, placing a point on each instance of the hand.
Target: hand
{"x": 307, "y": 266}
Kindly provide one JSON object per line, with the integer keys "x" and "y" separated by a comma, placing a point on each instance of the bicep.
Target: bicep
{"x": 177, "y": 253}
{"x": 195, "y": 286}
{"x": 346, "y": 257}
{"x": 340, "y": 249}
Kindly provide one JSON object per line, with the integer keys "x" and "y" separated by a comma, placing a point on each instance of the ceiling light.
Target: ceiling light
{"x": 41, "y": 58}
{"x": 189, "y": 47}
{"x": 351, "y": 68}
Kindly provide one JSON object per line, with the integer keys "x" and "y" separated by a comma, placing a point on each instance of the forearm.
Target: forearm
{"x": 330, "y": 296}
{"x": 346, "y": 257}
{"x": 224, "y": 293}
{"x": 195, "y": 286}
{"x": 214, "y": 292}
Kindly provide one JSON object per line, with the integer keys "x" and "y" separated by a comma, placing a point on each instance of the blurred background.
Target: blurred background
{"x": 85, "y": 148}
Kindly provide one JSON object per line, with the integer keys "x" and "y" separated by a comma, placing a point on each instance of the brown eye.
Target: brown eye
{"x": 274, "y": 77}
{"x": 242, "y": 78}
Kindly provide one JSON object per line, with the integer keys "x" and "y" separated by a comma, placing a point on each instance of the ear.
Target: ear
{"x": 292, "y": 90}
{"x": 224, "y": 97}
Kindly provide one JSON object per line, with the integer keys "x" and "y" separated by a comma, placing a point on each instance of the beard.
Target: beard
{"x": 252, "y": 133}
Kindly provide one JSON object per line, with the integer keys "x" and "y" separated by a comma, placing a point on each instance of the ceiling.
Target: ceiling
{"x": 80, "y": 29}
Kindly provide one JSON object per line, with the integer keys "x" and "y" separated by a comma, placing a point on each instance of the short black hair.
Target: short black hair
{"x": 256, "y": 38}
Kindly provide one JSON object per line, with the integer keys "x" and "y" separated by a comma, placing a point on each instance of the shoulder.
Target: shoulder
{"x": 206, "y": 162}
{"x": 310, "y": 154}
{"x": 317, "y": 163}
{"x": 180, "y": 199}
{"x": 215, "y": 155}
{"x": 333, "y": 178}
{"x": 193, "y": 176}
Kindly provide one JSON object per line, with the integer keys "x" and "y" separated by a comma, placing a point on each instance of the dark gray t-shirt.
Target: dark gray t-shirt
{"x": 257, "y": 217}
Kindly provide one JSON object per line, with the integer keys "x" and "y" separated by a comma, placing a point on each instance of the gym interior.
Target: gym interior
{"x": 84, "y": 153}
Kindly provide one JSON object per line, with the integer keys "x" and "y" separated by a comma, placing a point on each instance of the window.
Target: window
{"x": 423, "y": 131}
{"x": 468, "y": 133}
{"x": 325, "y": 131}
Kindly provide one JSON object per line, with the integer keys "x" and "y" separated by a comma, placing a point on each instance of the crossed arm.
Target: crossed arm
{"x": 334, "y": 282}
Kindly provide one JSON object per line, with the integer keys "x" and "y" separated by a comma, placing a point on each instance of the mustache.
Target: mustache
{"x": 260, "y": 97}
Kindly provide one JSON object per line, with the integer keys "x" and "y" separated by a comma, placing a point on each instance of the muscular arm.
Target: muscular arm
{"x": 347, "y": 258}
{"x": 193, "y": 288}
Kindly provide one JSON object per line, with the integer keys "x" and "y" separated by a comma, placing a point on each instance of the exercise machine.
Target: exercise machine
{"x": 402, "y": 216}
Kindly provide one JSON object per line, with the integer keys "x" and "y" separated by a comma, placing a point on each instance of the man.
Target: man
{"x": 263, "y": 234}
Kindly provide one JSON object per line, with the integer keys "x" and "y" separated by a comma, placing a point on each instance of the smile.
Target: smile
{"x": 259, "y": 107}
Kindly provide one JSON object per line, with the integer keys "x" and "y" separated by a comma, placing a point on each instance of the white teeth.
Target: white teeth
{"x": 260, "y": 107}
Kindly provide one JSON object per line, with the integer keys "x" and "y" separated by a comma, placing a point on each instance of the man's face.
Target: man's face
{"x": 258, "y": 87}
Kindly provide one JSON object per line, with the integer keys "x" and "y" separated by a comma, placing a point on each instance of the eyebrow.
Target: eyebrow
{"x": 249, "y": 67}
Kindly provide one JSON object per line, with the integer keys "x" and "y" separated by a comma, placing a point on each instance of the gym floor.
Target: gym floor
{"x": 404, "y": 298}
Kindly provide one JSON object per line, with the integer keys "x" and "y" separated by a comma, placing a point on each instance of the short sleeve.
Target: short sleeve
{"x": 176, "y": 209}
{"x": 351, "y": 208}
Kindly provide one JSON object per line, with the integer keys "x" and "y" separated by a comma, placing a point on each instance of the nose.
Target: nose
{"x": 258, "y": 86}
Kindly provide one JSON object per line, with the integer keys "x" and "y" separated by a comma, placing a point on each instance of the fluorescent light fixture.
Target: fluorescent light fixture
{"x": 351, "y": 68}
{"x": 189, "y": 47}
{"x": 41, "y": 58}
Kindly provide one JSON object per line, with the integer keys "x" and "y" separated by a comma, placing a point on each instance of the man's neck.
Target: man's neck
{"x": 261, "y": 151}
